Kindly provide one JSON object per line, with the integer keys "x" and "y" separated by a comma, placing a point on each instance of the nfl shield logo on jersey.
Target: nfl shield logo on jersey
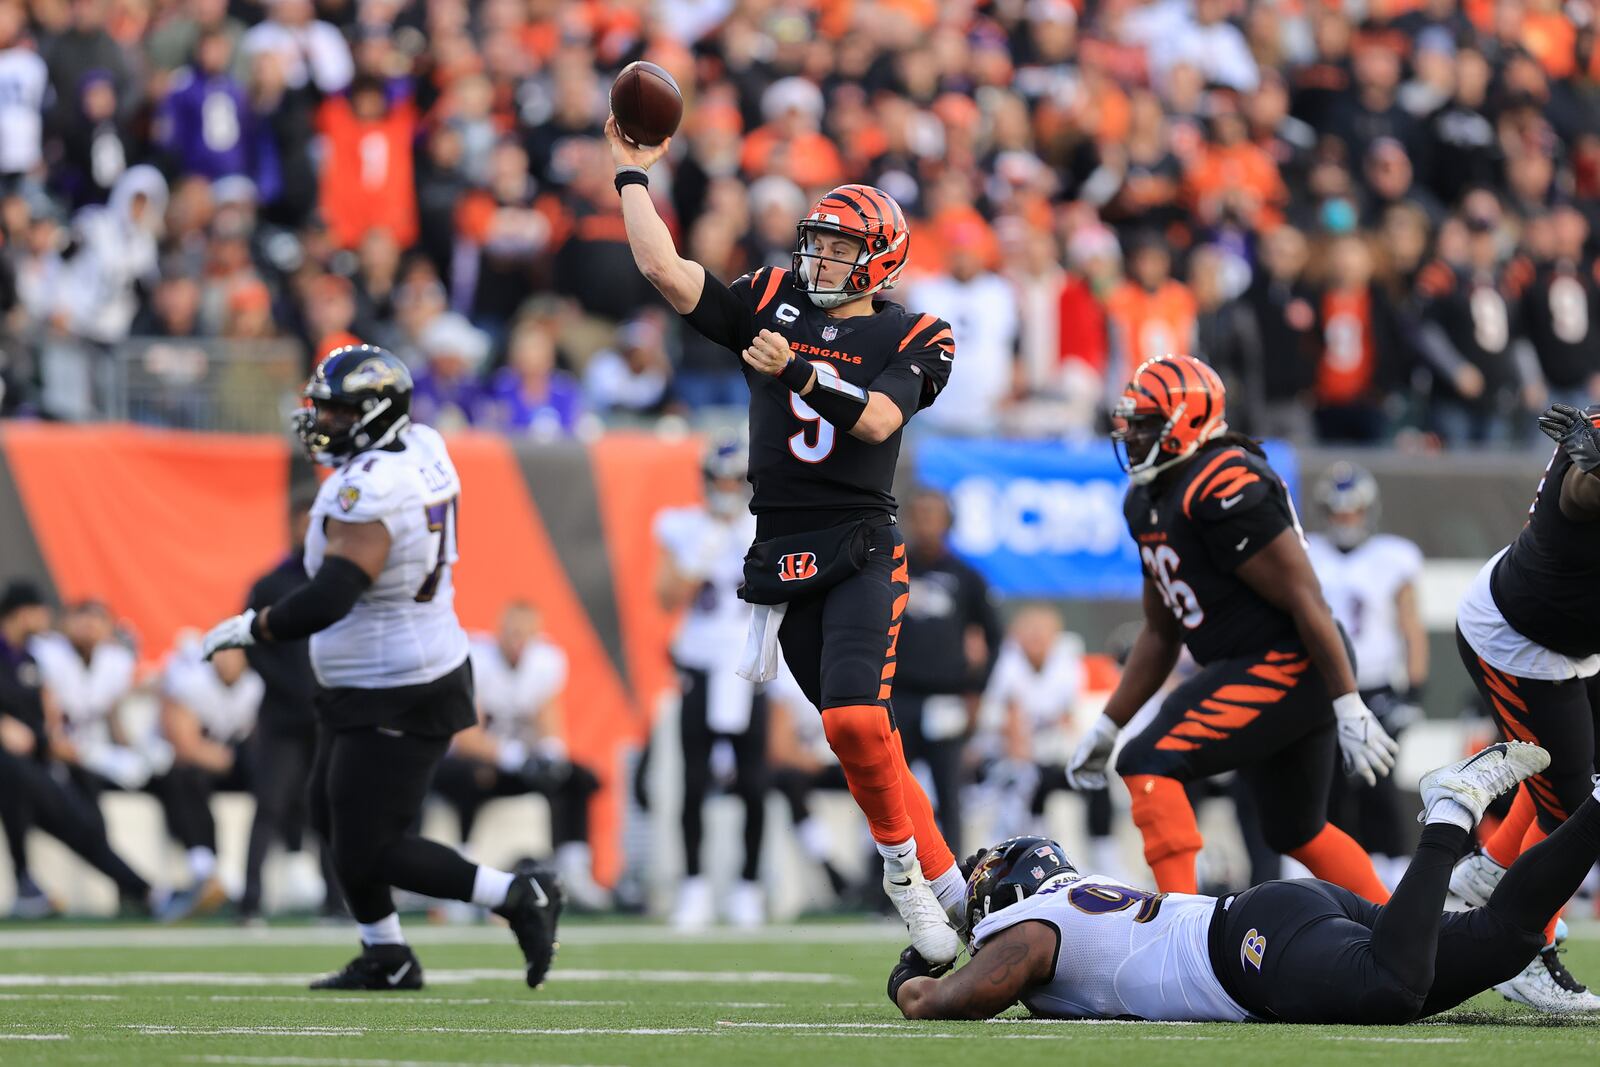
{"x": 830, "y": 332}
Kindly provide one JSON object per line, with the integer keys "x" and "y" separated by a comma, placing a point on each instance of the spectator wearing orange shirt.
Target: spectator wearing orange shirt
{"x": 790, "y": 141}
{"x": 1152, "y": 314}
{"x": 1362, "y": 349}
{"x": 1233, "y": 175}
{"x": 366, "y": 168}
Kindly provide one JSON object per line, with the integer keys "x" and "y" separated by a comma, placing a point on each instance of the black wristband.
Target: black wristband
{"x": 321, "y": 602}
{"x": 796, "y": 374}
{"x": 631, "y": 176}
{"x": 837, "y": 401}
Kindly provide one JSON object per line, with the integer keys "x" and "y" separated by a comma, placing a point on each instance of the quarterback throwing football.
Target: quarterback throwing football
{"x": 834, "y": 376}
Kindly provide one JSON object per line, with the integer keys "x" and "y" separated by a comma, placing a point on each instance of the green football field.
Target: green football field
{"x": 625, "y": 993}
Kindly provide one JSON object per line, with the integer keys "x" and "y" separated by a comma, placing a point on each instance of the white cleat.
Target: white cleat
{"x": 1474, "y": 878}
{"x": 1475, "y": 781}
{"x": 931, "y": 932}
{"x": 694, "y": 910}
{"x": 747, "y": 907}
{"x": 1546, "y": 985}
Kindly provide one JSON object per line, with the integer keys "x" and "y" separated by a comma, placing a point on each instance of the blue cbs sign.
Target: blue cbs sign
{"x": 1044, "y": 518}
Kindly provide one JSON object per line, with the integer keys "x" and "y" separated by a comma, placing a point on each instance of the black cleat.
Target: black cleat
{"x": 384, "y": 968}
{"x": 532, "y": 907}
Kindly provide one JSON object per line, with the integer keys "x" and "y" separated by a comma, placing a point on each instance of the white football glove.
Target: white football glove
{"x": 1369, "y": 752}
{"x": 1088, "y": 767}
{"x": 229, "y": 633}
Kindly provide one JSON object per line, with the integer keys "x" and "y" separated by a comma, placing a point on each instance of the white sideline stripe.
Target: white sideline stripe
{"x": 446, "y": 977}
{"x": 34, "y": 1037}
{"x": 1396, "y": 1040}
{"x": 309, "y": 998}
{"x": 60, "y": 996}
{"x": 308, "y": 1061}
{"x": 159, "y": 1030}
{"x": 295, "y": 936}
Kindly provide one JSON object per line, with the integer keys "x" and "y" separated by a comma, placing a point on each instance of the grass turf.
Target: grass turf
{"x": 624, "y": 994}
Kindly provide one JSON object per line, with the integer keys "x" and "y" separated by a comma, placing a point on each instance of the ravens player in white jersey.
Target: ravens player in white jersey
{"x": 1369, "y": 580}
{"x": 1073, "y": 945}
{"x": 393, "y": 679}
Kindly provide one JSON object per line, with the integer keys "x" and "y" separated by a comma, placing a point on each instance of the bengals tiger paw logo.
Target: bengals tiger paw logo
{"x": 797, "y": 567}
{"x": 1252, "y": 949}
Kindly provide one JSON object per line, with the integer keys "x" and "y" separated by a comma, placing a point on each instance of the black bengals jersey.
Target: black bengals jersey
{"x": 1547, "y": 583}
{"x": 1559, "y": 312}
{"x": 1194, "y": 527}
{"x": 805, "y": 474}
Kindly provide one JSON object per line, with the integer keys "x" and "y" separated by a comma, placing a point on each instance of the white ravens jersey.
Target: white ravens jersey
{"x": 1047, "y": 696}
{"x": 1360, "y": 586}
{"x": 403, "y": 631}
{"x": 712, "y": 633}
{"x": 1125, "y": 953}
{"x": 510, "y": 695}
{"x": 227, "y": 713}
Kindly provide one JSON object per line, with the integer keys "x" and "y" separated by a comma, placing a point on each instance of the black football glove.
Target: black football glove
{"x": 1577, "y": 436}
{"x": 912, "y": 965}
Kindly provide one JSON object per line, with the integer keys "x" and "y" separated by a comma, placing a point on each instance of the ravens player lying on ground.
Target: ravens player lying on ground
{"x": 1074, "y": 945}
{"x": 1226, "y": 574}
{"x": 834, "y": 375}
{"x": 390, "y": 658}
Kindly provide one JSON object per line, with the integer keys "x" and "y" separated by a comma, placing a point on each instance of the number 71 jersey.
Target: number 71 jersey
{"x": 1195, "y": 526}
{"x": 403, "y": 630}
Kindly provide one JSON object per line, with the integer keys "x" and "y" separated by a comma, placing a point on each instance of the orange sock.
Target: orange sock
{"x": 859, "y": 735}
{"x": 1172, "y": 840}
{"x": 1505, "y": 844}
{"x": 1534, "y": 835}
{"x": 932, "y": 852}
{"x": 1334, "y": 856}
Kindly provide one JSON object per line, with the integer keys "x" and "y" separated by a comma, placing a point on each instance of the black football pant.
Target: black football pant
{"x": 943, "y": 757}
{"x": 468, "y": 784}
{"x": 1562, "y": 717}
{"x": 1310, "y": 952}
{"x": 367, "y": 789}
{"x": 42, "y": 796}
{"x": 750, "y": 772}
{"x": 838, "y": 643}
{"x": 185, "y": 794}
{"x": 1266, "y": 716}
{"x": 280, "y": 778}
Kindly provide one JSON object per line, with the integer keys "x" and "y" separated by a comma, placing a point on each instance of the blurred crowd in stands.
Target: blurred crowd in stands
{"x": 1373, "y": 217}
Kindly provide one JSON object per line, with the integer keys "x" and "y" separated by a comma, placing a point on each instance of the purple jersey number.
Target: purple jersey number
{"x": 442, "y": 522}
{"x": 1109, "y": 899}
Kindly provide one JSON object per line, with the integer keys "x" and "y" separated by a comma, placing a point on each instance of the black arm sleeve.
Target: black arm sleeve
{"x": 317, "y": 605}
{"x": 722, "y": 317}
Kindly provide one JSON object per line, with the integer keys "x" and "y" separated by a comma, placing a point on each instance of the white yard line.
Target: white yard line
{"x": 60, "y": 996}
{"x": 160, "y": 1030}
{"x": 867, "y": 931}
{"x": 440, "y": 977}
{"x": 310, "y": 1061}
{"x": 35, "y": 1037}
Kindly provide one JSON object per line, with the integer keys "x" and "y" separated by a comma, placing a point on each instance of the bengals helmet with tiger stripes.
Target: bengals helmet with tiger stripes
{"x": 1171, "y": 406}
{"x": 871, "y": 216}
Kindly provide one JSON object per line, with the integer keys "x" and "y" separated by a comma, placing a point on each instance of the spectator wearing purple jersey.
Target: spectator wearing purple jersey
{"x": 448, "y": 392}
{"x": 205, "y": 124}
{"x": 530, "y": 395}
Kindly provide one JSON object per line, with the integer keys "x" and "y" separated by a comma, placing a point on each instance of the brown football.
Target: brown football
{"x": 647, "y": 103}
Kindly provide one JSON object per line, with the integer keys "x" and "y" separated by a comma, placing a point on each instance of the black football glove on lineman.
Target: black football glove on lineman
{"x": 912, "y": 965}
{"x": 1577, "y": 436}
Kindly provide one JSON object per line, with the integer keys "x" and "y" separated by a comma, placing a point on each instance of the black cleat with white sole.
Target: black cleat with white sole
{"x": 383, "y": 968}
{"x": 532, "y": 908}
